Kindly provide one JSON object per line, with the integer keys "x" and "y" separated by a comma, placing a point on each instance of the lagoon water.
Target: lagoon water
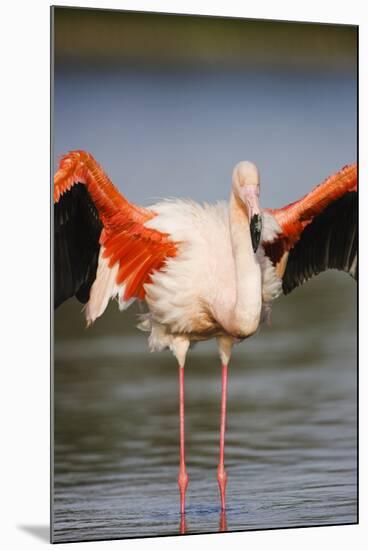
{"x": 291, "y": 437}
{"x": 291, "y": 442}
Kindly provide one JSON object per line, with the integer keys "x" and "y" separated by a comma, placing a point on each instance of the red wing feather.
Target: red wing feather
{"x": 138, "y": 249}
{"x": 294, "y": 217}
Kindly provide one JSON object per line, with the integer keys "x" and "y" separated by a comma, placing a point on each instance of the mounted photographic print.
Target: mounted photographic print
{"x": 204, "y": 373}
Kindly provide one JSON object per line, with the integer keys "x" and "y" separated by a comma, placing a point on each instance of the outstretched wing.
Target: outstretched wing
{"x": 318, "y": 232}
{"x": 102, "y": 247}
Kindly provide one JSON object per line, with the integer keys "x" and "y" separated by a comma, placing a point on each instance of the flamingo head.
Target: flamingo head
{"x": 246, "y": 188}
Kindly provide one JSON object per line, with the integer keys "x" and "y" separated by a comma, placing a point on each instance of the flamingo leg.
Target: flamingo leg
{"x": 221, "y": 473}
{"x": 183, "y": 476}
{"x": 223, "y": 522}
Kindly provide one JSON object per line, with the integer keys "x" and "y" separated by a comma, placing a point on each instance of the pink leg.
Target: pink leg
{"x": 183, "y": 476}
{"x": 221, "y": 474}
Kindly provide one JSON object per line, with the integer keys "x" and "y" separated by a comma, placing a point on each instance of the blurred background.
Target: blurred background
{"x": 168, "y": 104}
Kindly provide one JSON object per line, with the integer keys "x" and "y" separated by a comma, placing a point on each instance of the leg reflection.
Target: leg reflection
{"x": 222, "y": 522}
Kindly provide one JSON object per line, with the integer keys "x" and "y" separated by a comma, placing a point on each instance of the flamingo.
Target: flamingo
{"x": 203, "y": 271}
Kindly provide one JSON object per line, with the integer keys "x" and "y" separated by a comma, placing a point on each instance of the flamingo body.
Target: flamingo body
{"x": 200, "y": 282}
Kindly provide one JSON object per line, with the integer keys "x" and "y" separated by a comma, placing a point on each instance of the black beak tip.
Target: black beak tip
{"x": 255, "y": 231}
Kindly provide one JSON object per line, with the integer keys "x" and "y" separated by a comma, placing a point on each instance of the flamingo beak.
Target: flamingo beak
{"x": 255, "y": 230}
{"x": 251, "y": 196}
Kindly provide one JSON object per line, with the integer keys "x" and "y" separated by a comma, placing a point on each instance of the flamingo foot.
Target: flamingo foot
{"x": 222, "y": 523}
{"x": 222, "y": 481}
{"x": 183, "y": 481}
{"x": 183, "y": 524}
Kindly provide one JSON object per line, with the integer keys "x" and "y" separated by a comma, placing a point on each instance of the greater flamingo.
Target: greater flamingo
{"x": 203, "y": 271}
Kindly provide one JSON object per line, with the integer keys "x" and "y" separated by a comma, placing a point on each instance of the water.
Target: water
{"x": 291, "y": 434}
{"x": 291, "y": 437}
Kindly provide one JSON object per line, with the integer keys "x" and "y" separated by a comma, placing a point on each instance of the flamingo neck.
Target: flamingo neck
{"x": 245, "y": 316}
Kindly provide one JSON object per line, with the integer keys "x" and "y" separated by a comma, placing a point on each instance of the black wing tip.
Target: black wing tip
{"x": 329, "y": 242}
{"x": 77, "y": 230}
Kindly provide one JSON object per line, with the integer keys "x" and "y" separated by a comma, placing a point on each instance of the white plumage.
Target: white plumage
{"x": 201, "y": 279}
